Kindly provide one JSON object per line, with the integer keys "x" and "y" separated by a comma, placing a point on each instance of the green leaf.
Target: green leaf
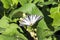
{"x": 43, "y": 30}
{"x": 24, "y": 9}
{"x": 4, "y": 22}
{"x": 41, "y": 0}
{"x": 46, "y": 3}
{"x": 23, "y": 2}
{"x": 35, "y": 1}
{"x": 29, "y": 8}
{"x": 49, "y": 38}
{"x": 2, "y": 30}
{"x": 15, "y": 20}
{"x": 15, "y": 2}
{"x": 55, "y": 14}
{"x": 15, "y": 14}
{"x": 4, "y": 37}
{"x": 11, "y": 30}
{"x": 21, "y": 36}
{"x": 9, "y": 3}
{"x": 6, "y": 3}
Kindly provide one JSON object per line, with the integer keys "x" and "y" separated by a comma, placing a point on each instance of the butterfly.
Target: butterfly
{"x": 30, "y": 20}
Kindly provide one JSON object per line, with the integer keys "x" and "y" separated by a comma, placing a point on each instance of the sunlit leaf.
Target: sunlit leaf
{"x": 4, "y": 22}
{"x": 55, "y": 14}
{"x": 15, "y": 2}
{"x": 9, "y": 3}
{"x": 41, "y": 30}
{"x": 6, "y": 3}
{"x": 23, "y": 2}
{"x": 46, "y": 3}
{"x": 11, "y": 30}
{"x": 5, "y": 37}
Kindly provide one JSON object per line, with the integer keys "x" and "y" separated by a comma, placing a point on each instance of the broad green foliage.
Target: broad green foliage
{"x": 15, "y": 2}
{"x": 55, "y": 14}
{"x": 6, "y": 4}
{"x": 42, "y": 3}
{"x": 4, "y": 37}
{"x": 14, "y": 9}
{"x": 9, "y": 3}
{"x": 23, "y": 2}
{"x": 32, "y": 9}
{"x": 9, "y": 30}
{"x": 4, "y": 22}
{"x": 43, "y": 31}
{"x": 28, "y": 8}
